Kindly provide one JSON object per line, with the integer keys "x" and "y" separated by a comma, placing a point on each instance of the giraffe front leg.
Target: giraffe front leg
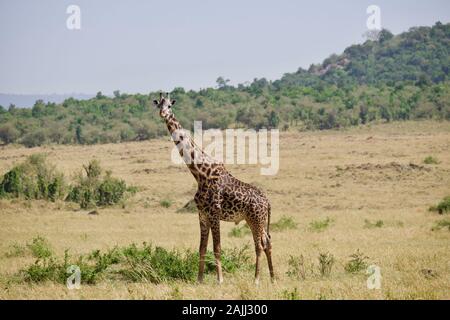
{"x": 215, "y": 229}
{"x": 204, "y": 234}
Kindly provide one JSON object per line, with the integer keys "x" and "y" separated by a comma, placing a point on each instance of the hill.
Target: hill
{"x": 420, "y": 55}
{"x": 393, "y": 78}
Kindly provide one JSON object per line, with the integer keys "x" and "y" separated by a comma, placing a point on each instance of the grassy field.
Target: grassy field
{"x": 363, "y": 188}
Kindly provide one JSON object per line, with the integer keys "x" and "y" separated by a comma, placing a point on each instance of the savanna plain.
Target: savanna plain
{"x": 341, "y": 201}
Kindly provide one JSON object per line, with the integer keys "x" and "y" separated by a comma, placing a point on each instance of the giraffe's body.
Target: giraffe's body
{"x": 220, "y": 196}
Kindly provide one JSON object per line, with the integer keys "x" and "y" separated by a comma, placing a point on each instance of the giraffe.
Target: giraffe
{"x": 220, "y": 196}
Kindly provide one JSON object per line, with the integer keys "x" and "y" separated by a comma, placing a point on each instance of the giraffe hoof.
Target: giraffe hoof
{"x": 257, "y": 282}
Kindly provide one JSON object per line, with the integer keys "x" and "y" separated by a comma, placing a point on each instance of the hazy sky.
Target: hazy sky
{"x": 141, "y": 46}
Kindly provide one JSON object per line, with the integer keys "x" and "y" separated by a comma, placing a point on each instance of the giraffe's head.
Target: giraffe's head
{"x": 164, "y": 104}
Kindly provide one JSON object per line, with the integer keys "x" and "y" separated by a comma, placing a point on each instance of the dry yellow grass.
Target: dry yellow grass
{"x": 350, "y": 176}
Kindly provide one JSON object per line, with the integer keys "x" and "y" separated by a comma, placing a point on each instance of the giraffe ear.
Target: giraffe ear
{"x": 173, "y": 102}
{"x": 155, "y": 102}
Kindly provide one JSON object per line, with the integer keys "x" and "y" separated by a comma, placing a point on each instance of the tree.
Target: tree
{"x": 116, "y": 94}
{"x": 273, "y": 119}
{"x": 79, "y": 135}
{"x": 38, "y": 108}
{"x": 385, "y": 35}
{"x": 8, "y": 133}
{"x": 222, "y": 83}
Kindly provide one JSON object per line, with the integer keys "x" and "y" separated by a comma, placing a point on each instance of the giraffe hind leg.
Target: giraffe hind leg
{"x": 268, "y": 251}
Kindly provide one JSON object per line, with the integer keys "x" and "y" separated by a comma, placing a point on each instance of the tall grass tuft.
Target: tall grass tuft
{"x": 320, "y": 225}
{"x": 285, "y": 223}
{"x": 326, "y": 262}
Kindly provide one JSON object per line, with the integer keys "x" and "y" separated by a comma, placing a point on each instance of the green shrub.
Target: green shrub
{"x": 52, "y": 269}
{"x": 40, "y": 248}
{"x": 285, "y": 223}
{"x": 145, "y": 263}
{"x": 111, "y": 190}
{"x": 357, "y": 263}
{"x": 443, "y": 206}
{"x": 320, "y": 225}
{"x": 47, "y": 269}
{"x": 430, "y": 160}
{"x": 156, "y": 264}
{"x": 33, "y": 179}
{"x": 94, "y": 189}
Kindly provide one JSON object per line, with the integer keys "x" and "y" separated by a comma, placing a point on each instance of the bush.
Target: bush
{"x": 40, "y": 248}
{"x": 44, "y": 270}
{"x": 443, "y": 206}
{"x": 156, "y": 264}
{"x": 34, "y": 139}
{"x": 52, "y": 269}
{"x": 146, "y": 263}
{"x": 111, "y": 190}
{"x": 33, "y": 179}
{"x": 92, "y": 189}
{"x": 357, "y": 263}
{"x": 8, "y": 133}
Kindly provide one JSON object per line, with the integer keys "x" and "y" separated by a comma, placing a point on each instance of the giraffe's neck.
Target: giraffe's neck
{"x": 201, "y": 165}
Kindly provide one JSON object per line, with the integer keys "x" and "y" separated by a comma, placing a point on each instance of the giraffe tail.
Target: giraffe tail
{"x": 266, "y": 241}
